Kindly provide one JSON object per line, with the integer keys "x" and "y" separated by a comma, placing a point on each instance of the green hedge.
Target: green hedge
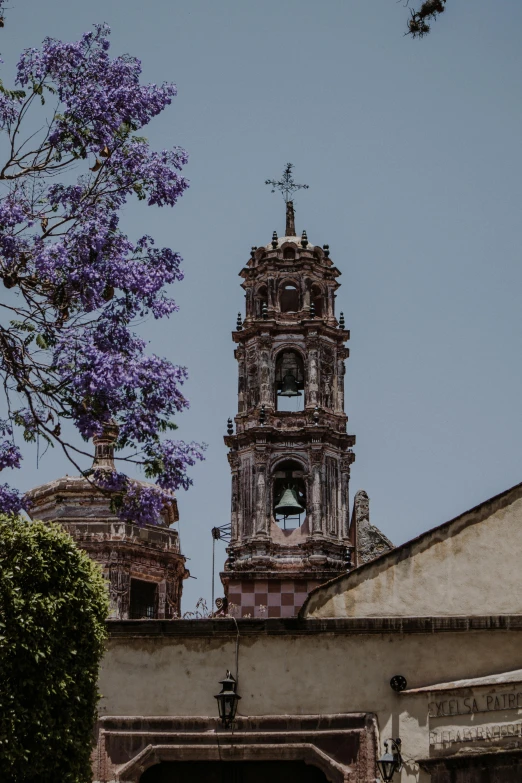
{"x": 53, "y": 606}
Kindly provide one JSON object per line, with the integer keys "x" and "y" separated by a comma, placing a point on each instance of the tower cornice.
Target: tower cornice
{"x": 310, "y": 327}
{"x": 310, "y": 436}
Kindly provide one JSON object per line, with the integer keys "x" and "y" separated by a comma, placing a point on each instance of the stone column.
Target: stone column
{"x": 345, "y": 498}
{"x": 317, "y": 495}
{"x": 265, "y": 376}
{"x": 262, "y": 520}
{"x": 339, "y": 518}
{"x": 246, "y": 512}
{"x": 119, "y": 590}
{"x": 249, "y": 297}
{"x": 234, "y": 506}
{"x": 312, "y": 392}
{"x": 331, "y": 302}
{"x": 339, "y": 403}
{"x": 241, "y": 379}
{"x": 162, "y": 596}
{"x": 306, "y": 296}
{"x": 172, "y": 607}
{"x": 271, "y": 293}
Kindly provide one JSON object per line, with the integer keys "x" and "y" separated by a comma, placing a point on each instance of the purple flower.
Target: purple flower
{"x": 138, "y": 503}
{"x": 11, "y": 501}
{"x": 10, "y": 455}
{"x": 72, "y": 351}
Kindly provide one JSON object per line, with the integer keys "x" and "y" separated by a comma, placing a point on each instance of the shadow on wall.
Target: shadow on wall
{"x": 233, "y": 772}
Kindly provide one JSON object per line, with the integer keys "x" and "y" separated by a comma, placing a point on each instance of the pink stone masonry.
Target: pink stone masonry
{"x": 272, "y": 599}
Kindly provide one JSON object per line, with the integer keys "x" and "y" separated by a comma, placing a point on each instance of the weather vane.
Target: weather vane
{"x": 287, "y": 186}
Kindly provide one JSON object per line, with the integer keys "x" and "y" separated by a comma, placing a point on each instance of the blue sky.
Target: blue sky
{"x": 412, "y": 150}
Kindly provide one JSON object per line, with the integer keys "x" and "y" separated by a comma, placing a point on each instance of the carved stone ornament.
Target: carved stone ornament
{"x": 233, "y": 460}
{"x": 317, "y": 457}
{"x": 261, "y": 458}
{"x": 342, "y": 746}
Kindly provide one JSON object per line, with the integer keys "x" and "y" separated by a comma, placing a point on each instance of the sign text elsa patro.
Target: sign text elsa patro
{"x": 467, "y": 706}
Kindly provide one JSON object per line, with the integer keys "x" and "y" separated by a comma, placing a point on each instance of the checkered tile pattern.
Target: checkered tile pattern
{"x": 268, "y": 598}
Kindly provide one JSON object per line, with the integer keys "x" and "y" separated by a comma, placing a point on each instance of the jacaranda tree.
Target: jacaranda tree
{"x": 74, "y": 281}
{"x": 53, "y": 605}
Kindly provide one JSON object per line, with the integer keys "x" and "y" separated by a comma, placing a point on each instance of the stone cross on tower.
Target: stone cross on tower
{"x": 290, "y": 455}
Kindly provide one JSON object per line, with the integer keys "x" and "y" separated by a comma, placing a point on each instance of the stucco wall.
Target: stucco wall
{"x": 470, "y": 566}
{"x": 445, "y": 607}
{"x": 301, "y": 673}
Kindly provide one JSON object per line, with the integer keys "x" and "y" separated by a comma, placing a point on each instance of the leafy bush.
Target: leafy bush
{"x": 53, "y": 606}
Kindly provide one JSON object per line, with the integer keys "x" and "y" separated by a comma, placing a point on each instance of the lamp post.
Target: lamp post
{"x": 390, "y": 763}
{"x": 227, "y": 700}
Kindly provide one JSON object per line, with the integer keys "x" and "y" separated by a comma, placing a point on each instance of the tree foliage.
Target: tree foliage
{"x": 74, "y": 282}
{"x": 418, "y": 23}
{"x": 53, "y": 606}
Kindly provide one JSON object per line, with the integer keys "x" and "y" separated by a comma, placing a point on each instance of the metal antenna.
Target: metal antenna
{"x": 223, "y": 533}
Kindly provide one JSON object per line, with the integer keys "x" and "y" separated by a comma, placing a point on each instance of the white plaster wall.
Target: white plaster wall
{"x": 317, "y": 674}
{"x": 475, "y": 570}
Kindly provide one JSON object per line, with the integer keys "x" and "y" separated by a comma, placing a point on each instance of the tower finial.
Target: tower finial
{"x": 104, "y": 447}
{"x": 287, "y": 187}
{"x": 290, "y": 219}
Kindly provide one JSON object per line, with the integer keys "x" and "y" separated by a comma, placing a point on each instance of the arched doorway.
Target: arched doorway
{"x": 233, "y": 772}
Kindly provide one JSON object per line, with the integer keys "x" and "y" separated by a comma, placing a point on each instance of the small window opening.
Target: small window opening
{"x": 289, "y": 254}
{"x": 142, "y": 600}
{"x": 289, "y": 494}
{"x": 317, "y": 299}
{"x": 289, "y": 299}
{"x": 261, "y": 299}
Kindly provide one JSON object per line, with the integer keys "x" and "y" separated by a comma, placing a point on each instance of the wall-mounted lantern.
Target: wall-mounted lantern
{"x": 390, "y": 763}
{"x": 227, "y": 700}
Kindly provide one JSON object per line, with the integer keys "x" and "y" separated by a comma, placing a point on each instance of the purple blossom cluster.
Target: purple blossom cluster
{"x": 10, "y": 456}
{"x": 97, "y": 93}
{"x": 71, "y": 351}
{"x": 11, "y": 501}
{"x": 134, "y": 501}
{"x": 143, "y": 503}
{"x": 175, "y": 457}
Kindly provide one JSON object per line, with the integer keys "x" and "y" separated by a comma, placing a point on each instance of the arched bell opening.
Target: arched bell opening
{"x": 289, "y": 381}
{"x": 261, "y": 301}
{"x": 289, "y": 300}
{"x": 289, "y": 494}
{"x": 317, "y": 301}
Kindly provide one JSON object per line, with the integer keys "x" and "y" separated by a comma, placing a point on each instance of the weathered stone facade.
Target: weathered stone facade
{"x": 290, "y": 344}
{"x": 368, "y": 541}
{"x": 143, "y": 566}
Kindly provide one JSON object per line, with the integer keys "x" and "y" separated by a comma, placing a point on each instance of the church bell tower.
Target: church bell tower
{"x": 290, "y": 455}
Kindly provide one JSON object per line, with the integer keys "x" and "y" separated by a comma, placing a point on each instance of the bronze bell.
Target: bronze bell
{"x": 289, "y": 387}
{"x": 289, "y": 505}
